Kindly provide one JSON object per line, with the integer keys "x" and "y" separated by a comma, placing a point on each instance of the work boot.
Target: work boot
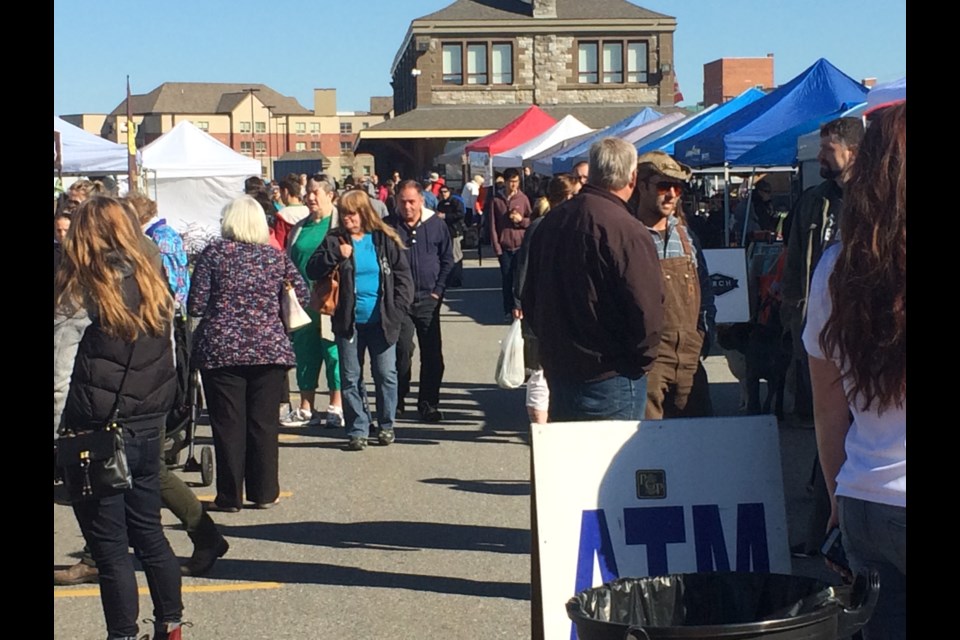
{"x": 208, "y": 545}
{"x": 79, "y": 573}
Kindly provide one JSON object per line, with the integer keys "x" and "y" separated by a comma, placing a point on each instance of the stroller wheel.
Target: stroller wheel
{"x": 206, "y": 466}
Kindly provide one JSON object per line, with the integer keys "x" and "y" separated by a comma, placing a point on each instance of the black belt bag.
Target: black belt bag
{"x": 94, "y": 463}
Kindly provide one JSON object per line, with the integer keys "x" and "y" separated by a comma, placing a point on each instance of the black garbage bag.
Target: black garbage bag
{"x": 753, "y": 603}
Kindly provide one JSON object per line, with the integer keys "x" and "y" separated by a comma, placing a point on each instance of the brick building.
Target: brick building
{"x": 726, "y": 78}
{"x": 252, "y": 119}
{"x": 470, "y": 68}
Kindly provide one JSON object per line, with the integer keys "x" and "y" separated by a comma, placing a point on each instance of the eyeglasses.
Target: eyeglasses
{"x": 675, "y": 188}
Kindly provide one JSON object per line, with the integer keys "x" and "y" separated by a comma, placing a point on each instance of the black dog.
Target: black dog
{"x": 767, "y": 352}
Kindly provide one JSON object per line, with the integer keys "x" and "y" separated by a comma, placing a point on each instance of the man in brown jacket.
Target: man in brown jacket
{"x": 594, "y": 295}
{"x": 508, "y": 224}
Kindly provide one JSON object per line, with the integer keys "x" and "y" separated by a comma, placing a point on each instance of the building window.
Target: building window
{"x": 501, "y": 63}
{"x": 244, "y": 127}
{"x": 246, "y": 147}
{"x": 314, "y": 127}
{"x": 636, "y": 62}
{"x": 300, "y": 146}
{"x": 346, "y": 127}
{"x": 346, "y": 147}
{"x": 365, "y": 125}
{"x": 203, "y": 125}
{"x": 604, "y": 62}
{"x": 487, "y": 63}
{"x": 344, "y": 173}
{"x": 476, "y": 64}
{"x": 301, "y": 127}
{"x": 452, "y": 64}
{"x": 366, "y": 170}
{"x": 261, "y": 127}
{"x": 314, "y": 146}
{"x": 261, "y": 147}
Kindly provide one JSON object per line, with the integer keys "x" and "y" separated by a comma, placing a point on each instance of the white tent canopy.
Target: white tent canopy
{"x": 566, "y": 128}
{"x": 193, "y": 176}
{"x": 83, "y": 153}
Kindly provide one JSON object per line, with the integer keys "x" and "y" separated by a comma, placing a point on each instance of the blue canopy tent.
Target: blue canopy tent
{"x": 698, "y": 122}
{"x": 781, "y": 149}
{"x": 819, "y": 90}
{"x": 565, "y": 160}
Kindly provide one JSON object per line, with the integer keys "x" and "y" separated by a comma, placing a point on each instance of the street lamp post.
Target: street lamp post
{"x": 269, "y": 108}
{"x": 253, "y": 128}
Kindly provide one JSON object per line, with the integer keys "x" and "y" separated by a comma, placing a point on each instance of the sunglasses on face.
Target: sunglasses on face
{"x": 663, "y": 188}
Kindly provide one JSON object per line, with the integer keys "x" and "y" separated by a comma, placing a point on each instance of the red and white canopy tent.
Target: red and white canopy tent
{"x": 526, "y": 126}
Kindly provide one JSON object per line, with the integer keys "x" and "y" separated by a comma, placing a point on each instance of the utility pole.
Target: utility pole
{"x": 269, "y": 108}
{"x": 253, "y": 124}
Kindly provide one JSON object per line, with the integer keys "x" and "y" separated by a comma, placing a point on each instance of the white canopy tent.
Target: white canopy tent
{"x": 192, "y": 176}
{"x": 83, "y": 153}
{"x": 568, "y": 127}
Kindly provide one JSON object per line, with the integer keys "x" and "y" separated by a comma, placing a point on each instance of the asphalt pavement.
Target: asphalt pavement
{"x": 428, "y": 538}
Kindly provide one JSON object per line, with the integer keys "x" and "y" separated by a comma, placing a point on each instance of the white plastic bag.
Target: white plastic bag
{"x": 510, "y": 371}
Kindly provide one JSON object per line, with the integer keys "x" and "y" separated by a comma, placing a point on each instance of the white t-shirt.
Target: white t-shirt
{"x": 876, "y": 445}
{"x": 469, "y": 194}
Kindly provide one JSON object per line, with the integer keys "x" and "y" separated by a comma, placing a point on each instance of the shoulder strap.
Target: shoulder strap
{"x": 115, "y": 412}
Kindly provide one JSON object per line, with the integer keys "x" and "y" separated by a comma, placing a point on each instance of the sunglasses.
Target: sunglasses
{"x": 663, "y": 188}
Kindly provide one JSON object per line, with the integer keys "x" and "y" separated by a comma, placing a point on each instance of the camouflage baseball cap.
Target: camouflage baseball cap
{"x": 658, "y": 162}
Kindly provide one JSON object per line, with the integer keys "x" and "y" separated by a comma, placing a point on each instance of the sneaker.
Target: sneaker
{"x": 284, "y": 410}
{"x": 297, "y": 418}
{"x": 386, "y": 437}
{"x": 317, "y": 420}
{"x": 357, "y": 444}
{"x": 334, "y": 417}
{"x": 429, "y": 413}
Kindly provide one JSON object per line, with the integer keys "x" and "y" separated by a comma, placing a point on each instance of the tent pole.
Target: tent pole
{"x": 726, "y": 204}
{"x": 746, "y": 215}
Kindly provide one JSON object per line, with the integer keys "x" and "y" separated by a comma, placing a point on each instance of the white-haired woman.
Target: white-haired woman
{"x": 243, "y": 351}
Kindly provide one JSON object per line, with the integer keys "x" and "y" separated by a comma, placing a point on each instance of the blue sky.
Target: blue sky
{"x": 295, "y": 46}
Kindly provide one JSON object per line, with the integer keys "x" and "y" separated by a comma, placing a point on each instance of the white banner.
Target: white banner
{"x": 728, "y": 271}
{"x": 626, "y": 499}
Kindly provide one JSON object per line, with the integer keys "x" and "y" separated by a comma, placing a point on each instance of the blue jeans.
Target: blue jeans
{"x": 617, "y": 398}
{"x": 383, "y": 363}
{"x": 508, "y": 264}
{"x": 875, "y": 536}
{"x": 112, "y": 524}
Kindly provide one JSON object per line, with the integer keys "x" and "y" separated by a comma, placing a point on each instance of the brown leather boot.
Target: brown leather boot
{"x": 79, "y": 573}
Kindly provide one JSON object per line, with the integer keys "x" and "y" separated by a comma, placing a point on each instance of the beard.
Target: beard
{"x": 827, "y": 173}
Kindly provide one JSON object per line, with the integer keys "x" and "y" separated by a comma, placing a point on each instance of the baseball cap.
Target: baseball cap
{"x": 434, "y": 177}
{"x": 658, "y": 162}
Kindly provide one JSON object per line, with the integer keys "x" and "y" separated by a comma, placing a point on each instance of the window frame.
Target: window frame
{"x": 259, "y": 127}
{"x": 463, "y": 76}
{"x": 300, "y": 127}
{"x": 346, "y": 147}
{"x": 315, "y": 146}
{"x": 246, "y": 147}
{"x": 300, "y": 146}
{"x": 346, "y": 128}
{"x": 246, "y": 126}
{"x": 599, "y": 75}
{"x": 314, "y": 127}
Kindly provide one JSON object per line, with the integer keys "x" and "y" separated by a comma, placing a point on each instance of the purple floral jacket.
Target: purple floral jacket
{"x": 235, "y": 290}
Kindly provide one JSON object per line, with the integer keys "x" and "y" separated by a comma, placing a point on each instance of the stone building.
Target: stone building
{"x": 470, "y": 68}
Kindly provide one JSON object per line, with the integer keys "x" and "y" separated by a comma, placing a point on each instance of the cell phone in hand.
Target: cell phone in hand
{"x": 832, "y": 549}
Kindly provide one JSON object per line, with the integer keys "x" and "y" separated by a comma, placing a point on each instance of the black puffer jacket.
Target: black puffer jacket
{"x": 396, "y": 282}
{"x": 89, "y": 367}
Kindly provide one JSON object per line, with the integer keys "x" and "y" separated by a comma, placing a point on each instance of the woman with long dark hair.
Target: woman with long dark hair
{"x": 112, "y": 347}
{"x": 857, "y": 343}
{"x": 376, "y": 289}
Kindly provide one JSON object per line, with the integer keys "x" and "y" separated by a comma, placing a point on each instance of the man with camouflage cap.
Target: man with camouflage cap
{"x": 677, "y": 384}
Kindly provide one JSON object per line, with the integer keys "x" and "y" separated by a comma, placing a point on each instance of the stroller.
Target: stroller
{"x": 182, "y": 420}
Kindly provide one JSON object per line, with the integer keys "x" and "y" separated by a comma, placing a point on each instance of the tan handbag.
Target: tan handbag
{"x": 326, "y": 293}
{"x": 294, "y": 317}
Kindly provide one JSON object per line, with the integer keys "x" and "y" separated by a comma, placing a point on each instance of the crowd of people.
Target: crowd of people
{"x": 601, "y": 265}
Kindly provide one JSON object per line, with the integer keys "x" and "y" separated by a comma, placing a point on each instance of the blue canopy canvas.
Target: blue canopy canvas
{"x": 699, "y": 122}
{"x": 819, "y": 90}
{"x": 781, "y": 149}
{"x": 565, "y": 160}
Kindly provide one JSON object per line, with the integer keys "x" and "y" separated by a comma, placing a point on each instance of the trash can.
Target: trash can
{"x": 734, "y": 605}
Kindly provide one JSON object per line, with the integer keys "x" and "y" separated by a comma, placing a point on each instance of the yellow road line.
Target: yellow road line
{"x": 211, "y": 498}
{"x": 287, "y": 437}
{"x": 90, "y": 592}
